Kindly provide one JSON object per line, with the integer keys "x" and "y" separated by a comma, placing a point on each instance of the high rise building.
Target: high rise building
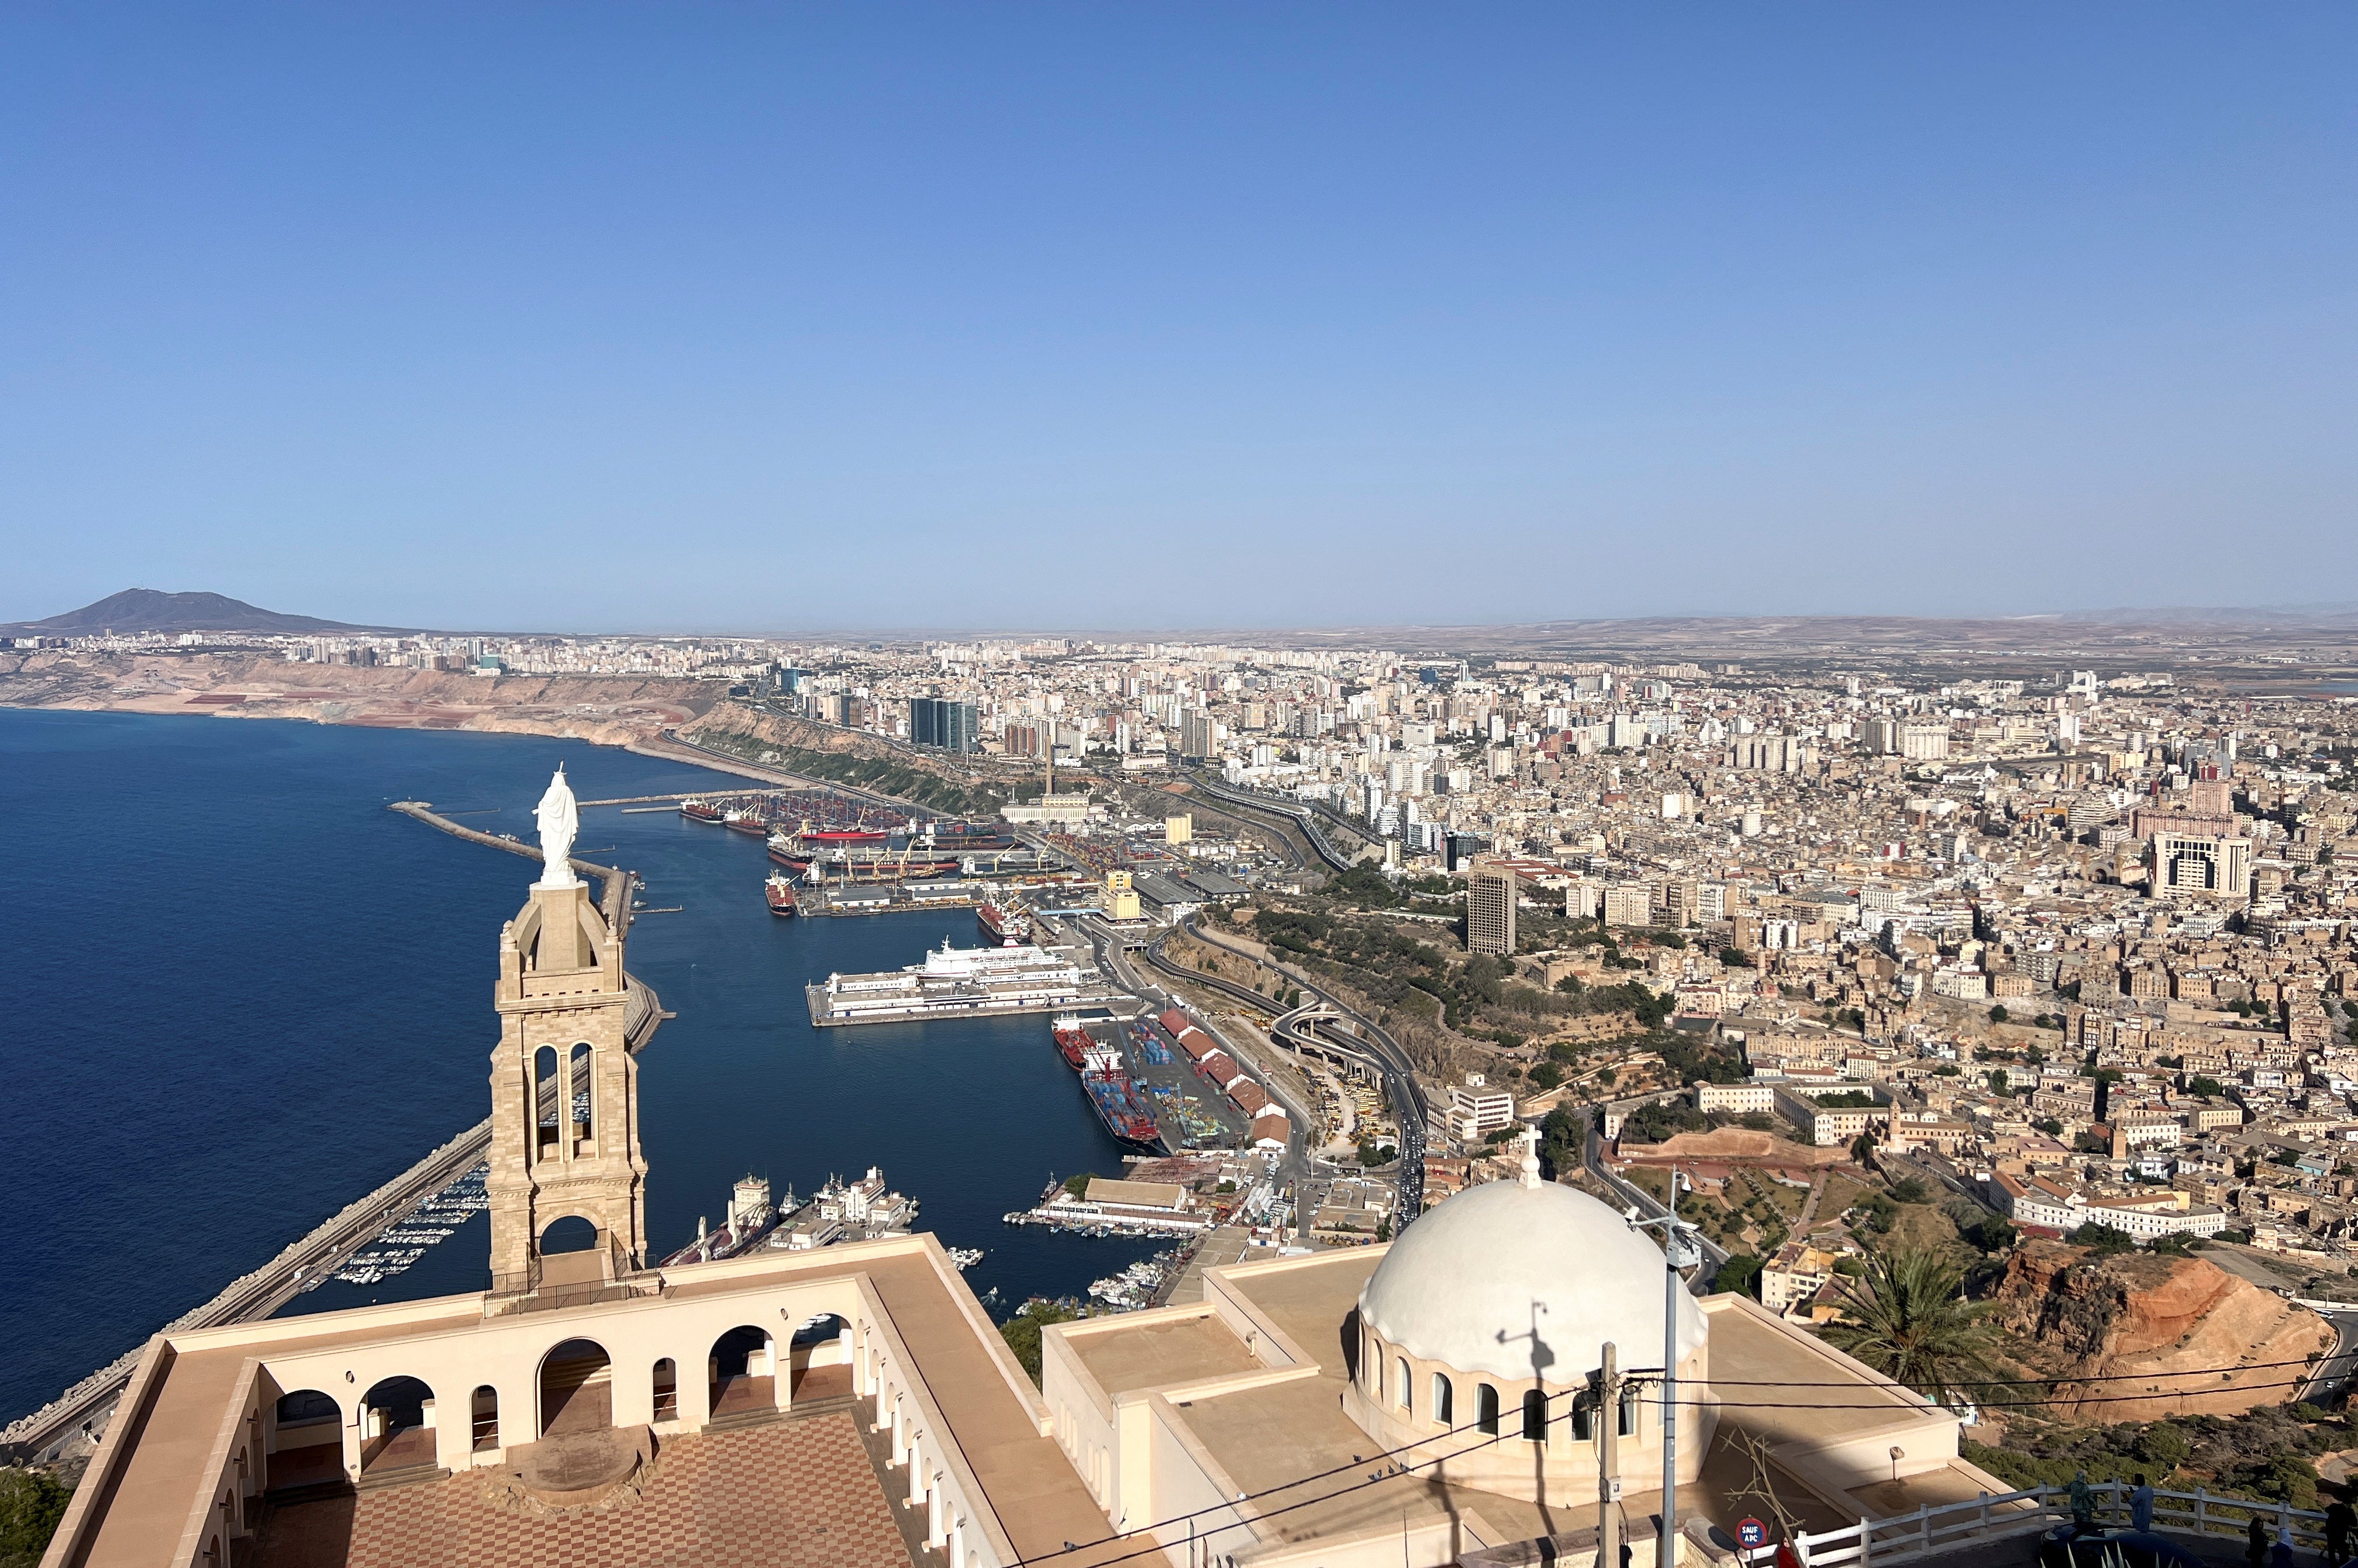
{"x": 1195, "y": 735}
{"x": 1490, "y": 911}
{"x": 944, "y": 722}
{"x": 2202, "y": 863}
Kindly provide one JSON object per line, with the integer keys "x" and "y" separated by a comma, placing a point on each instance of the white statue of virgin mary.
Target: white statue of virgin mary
{"x": 560, "y": 822}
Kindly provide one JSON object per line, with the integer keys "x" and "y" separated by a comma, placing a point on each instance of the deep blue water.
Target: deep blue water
{"x": 242, "y": 993}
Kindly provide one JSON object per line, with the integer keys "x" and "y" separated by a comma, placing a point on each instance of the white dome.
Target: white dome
{"x": 1459, "y": 1286}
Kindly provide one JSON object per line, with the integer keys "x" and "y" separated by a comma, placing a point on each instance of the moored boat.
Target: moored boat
{"x": 700, "y": 811}
{"x": 1005, "y": 924}
{"x": 780, "y": 892}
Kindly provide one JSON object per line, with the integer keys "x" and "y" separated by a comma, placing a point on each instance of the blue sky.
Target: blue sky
{"x": 795, "y": 318}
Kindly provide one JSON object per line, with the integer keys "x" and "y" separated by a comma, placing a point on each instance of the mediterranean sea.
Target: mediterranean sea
{"x": 242, "y": 993}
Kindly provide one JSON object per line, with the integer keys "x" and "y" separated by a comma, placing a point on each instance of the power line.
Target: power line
{"x": 2017, "y": 1405}
{"x": 2003, "y": 1382}
{"x": 1503, "y": 1435}
{"x": 1357, "y": 1464}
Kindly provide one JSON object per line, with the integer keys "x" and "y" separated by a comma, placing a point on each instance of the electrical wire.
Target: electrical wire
{"x": 2003, "y": 1382}
{"x": 2012, "y": 1404}
{"x": 1358, "y": 1463}
{"x": 1637, "y": 1381}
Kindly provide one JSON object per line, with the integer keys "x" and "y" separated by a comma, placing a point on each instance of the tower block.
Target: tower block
{"x": 565, "y": 1104}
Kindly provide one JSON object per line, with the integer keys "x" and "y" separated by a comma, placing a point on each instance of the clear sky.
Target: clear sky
{"x": 775, "y": 318}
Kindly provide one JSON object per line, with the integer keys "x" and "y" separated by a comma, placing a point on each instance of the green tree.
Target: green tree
{"x": 1909, "y": 1320}
{"x": 1736, "y": 960}
{"x": 1078, "y": 1185}
{"x": 1547, "y": 1075}
{"x": 1998, "y": 1013}
{"x": 2104, "y": 1240}
{"x": 1998, "y": 1083}
{"x": 1740, "y": 1274}
{"x": 31, "y": 1503}
{"x": 2205, "y": 1088}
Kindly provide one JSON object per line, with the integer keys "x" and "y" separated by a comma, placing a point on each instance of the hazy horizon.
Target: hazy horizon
{"x": 848, "y": 319}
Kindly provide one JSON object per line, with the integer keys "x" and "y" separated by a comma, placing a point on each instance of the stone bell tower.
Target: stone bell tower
{"x": 564, "y": 1109}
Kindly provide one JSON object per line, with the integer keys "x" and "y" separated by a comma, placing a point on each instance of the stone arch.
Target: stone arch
{"x": 569, "y": 1233}
{"x": 819, "y": 1357}
{"x": 742, "y": 1371}
{"x": 576, "y": 1386}
{"x": 665, "y": 1380}
{"x": 307, "y": 1441}
{"x": 397, "y": 1420}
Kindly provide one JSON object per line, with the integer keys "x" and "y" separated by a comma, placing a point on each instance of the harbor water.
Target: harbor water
{"x": 245, "y": 993}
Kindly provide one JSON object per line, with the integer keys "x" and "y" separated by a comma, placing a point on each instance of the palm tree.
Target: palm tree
{"x": 1909, "y": 1320}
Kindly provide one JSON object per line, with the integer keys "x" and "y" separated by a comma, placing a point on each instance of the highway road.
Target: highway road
{"x": 2331, "y": 1380}
{"x": 1400, "y": 1087}
{"x": 1303, "y": 817}
{"x": 1714, "y": 1254}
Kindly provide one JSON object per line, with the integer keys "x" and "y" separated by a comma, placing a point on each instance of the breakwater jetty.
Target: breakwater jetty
{"x": 423, "y": 810}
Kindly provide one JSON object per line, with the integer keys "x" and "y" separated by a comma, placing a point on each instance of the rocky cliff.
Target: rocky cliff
{"x": 2186, "y": 1332}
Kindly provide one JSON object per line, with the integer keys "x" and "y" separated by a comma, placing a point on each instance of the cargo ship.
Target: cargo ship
{"x": 964, "y": 837}
{"x": 1120, "y": 1103}
{"x": 808, "y": 856}
{"x": 1004, "y": 925}
{"x": 700, "y": 811}
{"x": 780, "y": 889}
{"x": 747, "y": 822}
{"x": 1071, "y": 1040}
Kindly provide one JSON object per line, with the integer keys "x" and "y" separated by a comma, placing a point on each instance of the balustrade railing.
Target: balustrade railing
{"x": 1931, "y": 1530}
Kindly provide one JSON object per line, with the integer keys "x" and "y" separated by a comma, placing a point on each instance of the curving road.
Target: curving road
{"x": 1401, "y": 1087}
{"x": 1305, "y": 817}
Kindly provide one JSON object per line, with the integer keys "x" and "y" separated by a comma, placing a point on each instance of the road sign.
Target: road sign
{"x": 1751, "y": 1532}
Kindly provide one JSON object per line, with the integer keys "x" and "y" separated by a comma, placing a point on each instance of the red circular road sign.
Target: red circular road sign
{"x": 1751, "y": 1532}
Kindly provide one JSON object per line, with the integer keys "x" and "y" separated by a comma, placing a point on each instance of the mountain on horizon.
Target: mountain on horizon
{"x": 142, "y": 609}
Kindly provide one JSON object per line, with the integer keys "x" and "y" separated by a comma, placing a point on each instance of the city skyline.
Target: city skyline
{"x": 1063, "y": 319}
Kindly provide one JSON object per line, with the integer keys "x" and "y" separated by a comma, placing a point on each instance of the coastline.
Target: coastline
{"x": 637, "y": 714}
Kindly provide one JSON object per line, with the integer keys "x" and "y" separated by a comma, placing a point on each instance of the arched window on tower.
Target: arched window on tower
{"x": 1534, "y": 1416}
{"x": 1485, "y": 1409}
{"x": 1444, "y": 1400}
{"x": 581, "y": 1093}
{"x": 1584, "y": 1418}
{"x": 1404, "y": 1385}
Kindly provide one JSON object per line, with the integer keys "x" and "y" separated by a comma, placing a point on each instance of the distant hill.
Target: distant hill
{"x": 136, "y": 609}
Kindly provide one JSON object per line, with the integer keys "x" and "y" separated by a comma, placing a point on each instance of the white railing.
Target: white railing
{"x": 1931, "y": 1531}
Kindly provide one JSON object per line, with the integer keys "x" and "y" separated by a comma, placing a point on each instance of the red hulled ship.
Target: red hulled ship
{"x": 699, "y": 811}
{"x": 1004, "y": 925}
{"x": 780, "y": 889}
{"x": 804, "y": 856}
{"x": 1120, "y": 1103}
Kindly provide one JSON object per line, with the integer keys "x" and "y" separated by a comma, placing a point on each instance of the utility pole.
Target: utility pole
{"x": 1608, "y": 1462}
{"x": 1678, "y": 1251}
